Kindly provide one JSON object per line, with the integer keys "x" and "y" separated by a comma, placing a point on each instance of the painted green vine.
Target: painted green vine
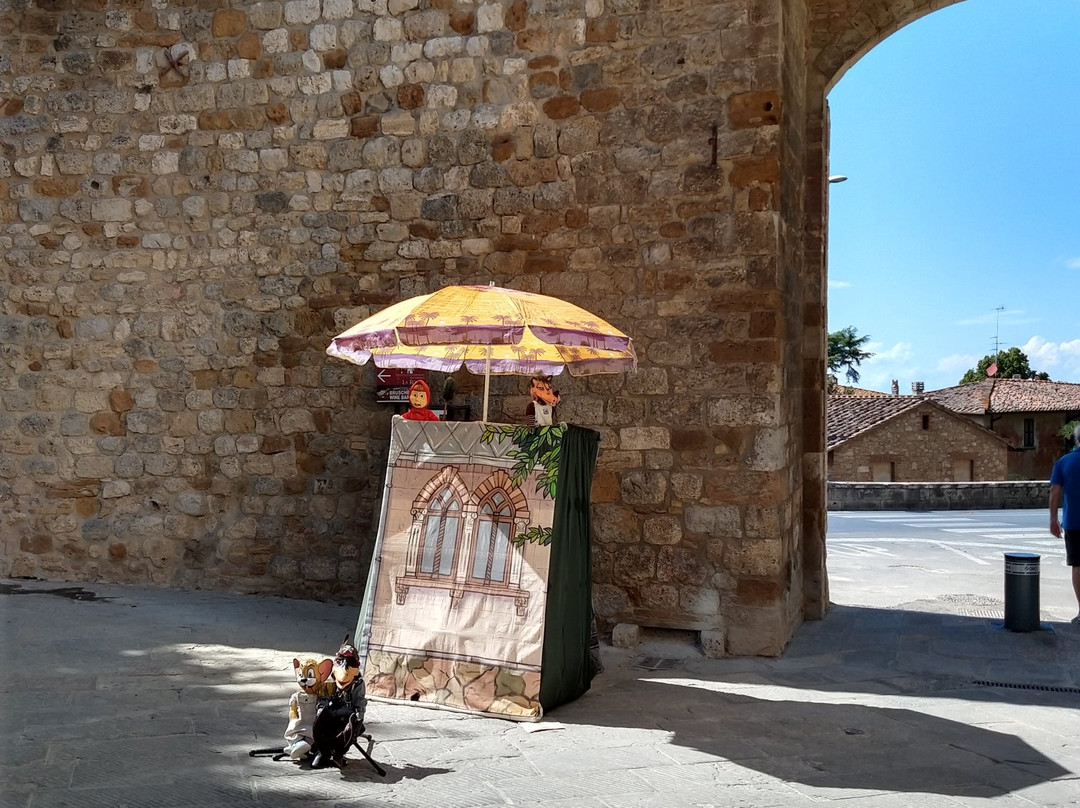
{"x": 539, "y": 446}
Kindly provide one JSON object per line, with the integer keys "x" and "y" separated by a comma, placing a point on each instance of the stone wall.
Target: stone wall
{"x": 848, "y": 496}
{"x": 195, "y": 197}
{"x": 918, "y": 454}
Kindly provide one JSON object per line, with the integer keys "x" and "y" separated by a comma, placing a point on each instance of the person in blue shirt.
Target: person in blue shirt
{"x": 1065, "y": 494}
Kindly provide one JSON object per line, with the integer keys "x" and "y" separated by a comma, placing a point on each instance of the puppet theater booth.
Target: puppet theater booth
{"x": 479, "y": 593}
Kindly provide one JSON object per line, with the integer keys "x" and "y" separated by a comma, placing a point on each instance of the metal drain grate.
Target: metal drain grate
{"x": 653, "y": 663}
{"x": 993, "y": 614}
{"x": 1021, "y": 686}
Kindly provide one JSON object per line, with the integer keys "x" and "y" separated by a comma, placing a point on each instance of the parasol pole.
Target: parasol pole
{"x": 487, "y": 373}
{"x": 487, "y": 382}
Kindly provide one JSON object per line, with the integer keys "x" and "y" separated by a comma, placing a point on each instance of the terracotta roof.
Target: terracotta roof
{"x": 846, "y": 417}
{"x": 855, "y": 392}
{"x": 1009, "y": 395}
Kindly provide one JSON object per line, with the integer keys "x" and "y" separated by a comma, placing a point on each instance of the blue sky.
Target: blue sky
{"x": 960, "y": 138}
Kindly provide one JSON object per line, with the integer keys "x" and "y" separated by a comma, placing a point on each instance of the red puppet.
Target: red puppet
{"x": 419, "y": 400}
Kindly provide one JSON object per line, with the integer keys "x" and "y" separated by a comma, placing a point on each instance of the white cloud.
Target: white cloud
{"x": 1073, "y": 263}
{"x": 1040, "y": 352}
{"x": 842, "y": 284}
{"x": 957, "y": 363}
{"x": 877, "y": 372}
{"x": 1004, "y": 317}
{"x": 900, "y": 352}
{"x": 1060, "y": 359}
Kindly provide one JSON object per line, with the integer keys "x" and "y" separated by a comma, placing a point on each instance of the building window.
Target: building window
{"x": 1029, "y": 433}
{"x": 963, "y": 470}
{"x": 883, "y": 471}
{"x": 926, "y": 422}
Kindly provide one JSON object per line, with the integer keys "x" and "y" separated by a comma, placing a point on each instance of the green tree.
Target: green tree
{"x": 1012, "y": 363}
{"x": 846, "y": 351}
{"x": 1066, "y": 434}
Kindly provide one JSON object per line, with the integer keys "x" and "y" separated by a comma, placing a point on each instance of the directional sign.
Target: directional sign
{"x": 392, "y": 384}
{"x": 396, "y": 377}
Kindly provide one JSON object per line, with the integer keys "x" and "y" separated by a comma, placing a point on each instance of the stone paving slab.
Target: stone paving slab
{"x": 153, "y": 698}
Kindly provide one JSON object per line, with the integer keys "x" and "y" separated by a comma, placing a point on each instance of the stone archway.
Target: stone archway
{"x": 839, "y": 33}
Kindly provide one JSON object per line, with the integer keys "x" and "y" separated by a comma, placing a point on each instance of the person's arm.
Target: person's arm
{"x": 1055, "y": 504}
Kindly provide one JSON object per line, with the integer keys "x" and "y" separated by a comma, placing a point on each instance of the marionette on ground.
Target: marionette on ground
{"x": 541, "y": 410}
{"x": 419, "y": 401}
{"x": 313, "y": 680}
{"x": 327, "y": 716}
{"x": 339, "y": 720}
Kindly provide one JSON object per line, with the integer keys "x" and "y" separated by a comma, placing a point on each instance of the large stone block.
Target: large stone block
{"x": 626, "y": 635}
{"x": 758, "y": 632}
{"x": 723, "y": 521}
{"x": 713, "y": 643}
{"x": 228, "y": 22}
{"x": 644, "y": 438}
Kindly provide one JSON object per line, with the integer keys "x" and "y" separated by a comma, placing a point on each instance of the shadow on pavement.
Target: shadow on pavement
{"x": 823, "y": 715}
{"x": 106, "y": 700}
{"x": 824, "y": 746}
{"x": 931, "y": 648}
{"x": 358, "y": 770}
{"x": 146, "y": 697}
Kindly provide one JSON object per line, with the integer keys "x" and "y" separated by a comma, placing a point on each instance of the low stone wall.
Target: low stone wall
{"x": 847, "y": 496}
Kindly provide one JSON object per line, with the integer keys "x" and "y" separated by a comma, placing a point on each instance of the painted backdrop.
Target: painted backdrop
{"x": 454, "y": 612}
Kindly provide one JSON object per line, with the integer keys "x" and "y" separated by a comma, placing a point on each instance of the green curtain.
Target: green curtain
{"x": 566, "y": 667}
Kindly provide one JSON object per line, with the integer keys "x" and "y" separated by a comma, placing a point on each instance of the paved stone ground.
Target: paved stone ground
{"x": 117, "y": 696}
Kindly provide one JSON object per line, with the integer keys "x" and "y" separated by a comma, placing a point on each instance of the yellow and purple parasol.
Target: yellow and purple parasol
{"x": 489, "y": 330}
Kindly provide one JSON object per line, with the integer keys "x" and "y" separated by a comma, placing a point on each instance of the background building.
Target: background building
{"x": 909, "y": 439}
{"x": 1028, "y": 413}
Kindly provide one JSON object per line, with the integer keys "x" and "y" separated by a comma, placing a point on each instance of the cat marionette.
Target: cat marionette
{"x": 339, "y": 721}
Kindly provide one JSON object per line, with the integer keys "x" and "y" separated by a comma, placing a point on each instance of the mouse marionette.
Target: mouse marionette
{"x": 313, "y": 679}
{"x": 419, "y": 401}
{"x": 326, "y": 716}
{"x": 339, "y": 721}
{"x": 541, "y": 410}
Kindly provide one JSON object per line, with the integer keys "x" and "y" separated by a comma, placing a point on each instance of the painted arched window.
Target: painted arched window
{"x": 441, "y": 532}
{"x": 494, "y": 525}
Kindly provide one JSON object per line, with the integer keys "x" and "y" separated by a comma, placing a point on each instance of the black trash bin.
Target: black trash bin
{"x": 1022, "y": 591}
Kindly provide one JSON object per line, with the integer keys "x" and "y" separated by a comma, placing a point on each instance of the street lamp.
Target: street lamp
{"x": 837, "y": 178}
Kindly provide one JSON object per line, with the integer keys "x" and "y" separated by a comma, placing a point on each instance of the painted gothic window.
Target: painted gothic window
{"x": 491, "y": 551}
{"x": 441, "y": 534}
{"x": 461, "y": 540}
